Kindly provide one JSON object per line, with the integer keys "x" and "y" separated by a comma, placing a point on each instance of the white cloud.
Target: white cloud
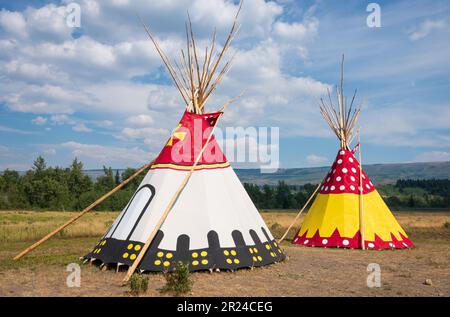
{"x": 13, "y": 22}
{"x": 32, "y": 72}
{"x": 316, "y": 160}
{"x": 433, "y": 156}
{"x": 44, "y": 99}
{"x": 143, "y": 133}
{"x": 46, "y": 71}
{"x": 425, "y": 28}
{"x": 81, "y": 127}
{"x": 296, "y": 32}
{"x": 39, "y": 120}
{"x": 108, "y": 154}
{"x": 60, "y": 119}
{"x": 140, "y": 120}
{"x": 412, "y": 127}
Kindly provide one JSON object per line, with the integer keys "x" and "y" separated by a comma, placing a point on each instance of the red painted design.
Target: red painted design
{"x": 344, "y": 176}
{"x": 336, "y": 241}
{"x": 188, "y": 139}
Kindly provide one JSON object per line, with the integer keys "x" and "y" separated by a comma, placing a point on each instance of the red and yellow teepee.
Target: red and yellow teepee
{"x": 334, "y": 218}
{"x": 349, "y": 212}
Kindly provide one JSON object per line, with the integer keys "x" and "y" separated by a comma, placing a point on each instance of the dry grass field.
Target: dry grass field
{"x": 307, "y": 272}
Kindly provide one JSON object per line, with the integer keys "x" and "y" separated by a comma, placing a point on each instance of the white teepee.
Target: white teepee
{"x": 213, "y": 223}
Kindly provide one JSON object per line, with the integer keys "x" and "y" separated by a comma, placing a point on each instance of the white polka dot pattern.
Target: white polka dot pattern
{"x": 344, "y": 176}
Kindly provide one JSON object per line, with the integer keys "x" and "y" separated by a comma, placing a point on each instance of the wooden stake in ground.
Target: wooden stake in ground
{"x": 299, "y": 213}
{"x": 170, "y": 205}
{"x": 361, "y": 209}
{"x": 82, "y": 213}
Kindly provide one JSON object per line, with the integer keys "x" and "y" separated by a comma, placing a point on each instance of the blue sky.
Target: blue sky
{"x": 99, "y": 92}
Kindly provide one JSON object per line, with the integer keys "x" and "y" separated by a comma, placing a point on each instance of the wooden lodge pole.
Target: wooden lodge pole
{"x": 361, "y": 209}
{"x": 299, "y": 213}
{"x": 144, "y": 249}
{"x": 82, "y": 213}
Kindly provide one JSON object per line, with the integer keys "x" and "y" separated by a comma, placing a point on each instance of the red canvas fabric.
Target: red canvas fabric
{"x": 344, "y": 176}
{"x": 187, "y": 140}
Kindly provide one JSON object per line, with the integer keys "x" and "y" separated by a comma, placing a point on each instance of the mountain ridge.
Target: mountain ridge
{"x": 378, "y": 173}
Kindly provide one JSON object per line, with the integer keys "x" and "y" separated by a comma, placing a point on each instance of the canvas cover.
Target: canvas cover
{"x": 213, "y": 224}
{"x": 334, "y": 217}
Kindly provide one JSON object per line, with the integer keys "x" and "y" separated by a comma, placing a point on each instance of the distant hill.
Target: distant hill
{"x": 379, "y": 173}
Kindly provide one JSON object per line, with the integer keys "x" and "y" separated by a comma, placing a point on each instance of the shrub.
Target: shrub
{"x": 138, "y": 284}
{"x": 277, "y": 229}
{"x": 178, "y": 281}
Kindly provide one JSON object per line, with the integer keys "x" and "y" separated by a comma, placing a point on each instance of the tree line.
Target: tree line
{"x": 404, "y": 194}
{"x": 55, "y": 188}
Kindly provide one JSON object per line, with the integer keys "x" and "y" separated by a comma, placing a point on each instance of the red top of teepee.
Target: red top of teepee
{"x": 188, "y": 139}
{"x": 344, "y": 176}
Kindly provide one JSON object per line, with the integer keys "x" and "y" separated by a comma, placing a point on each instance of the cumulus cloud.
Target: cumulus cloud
{"x": 144, "y": 133}
{"x": 112, "y": 73}
{"x": 140, "y": 120}
{"x": 13, "y": 22}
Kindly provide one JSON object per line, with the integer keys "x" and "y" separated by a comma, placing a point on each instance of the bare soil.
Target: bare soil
{"x": 307, "y": 272}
